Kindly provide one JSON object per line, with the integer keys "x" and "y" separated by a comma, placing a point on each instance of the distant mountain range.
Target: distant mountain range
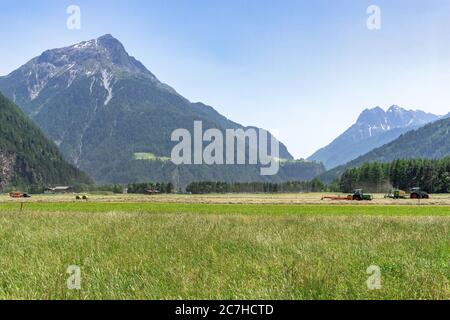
{"x": 431, "y": 141}
{"x": 26, "y": 157}
{"x": 112, "y": 118}
{"x": 374, "y": 128}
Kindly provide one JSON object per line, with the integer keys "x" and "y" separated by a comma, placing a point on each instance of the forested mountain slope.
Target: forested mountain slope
{"x": 27, "y": 157}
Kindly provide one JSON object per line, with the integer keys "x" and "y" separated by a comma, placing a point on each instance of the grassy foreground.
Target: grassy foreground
{"x": 198, "y": 251}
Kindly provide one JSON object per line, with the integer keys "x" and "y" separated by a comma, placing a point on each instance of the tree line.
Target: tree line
{"x": 206, "y": 187}
{"x": 132, "y": 188}
{"x": 140, "y": 188}
{"x": 137, "y": 188}
{"x": 432, "y": 176}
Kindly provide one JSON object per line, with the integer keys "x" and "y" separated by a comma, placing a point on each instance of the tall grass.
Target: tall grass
{"x": 142, "y": 254}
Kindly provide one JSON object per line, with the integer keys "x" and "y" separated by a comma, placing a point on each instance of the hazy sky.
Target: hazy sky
{"x": 305, "y": 68}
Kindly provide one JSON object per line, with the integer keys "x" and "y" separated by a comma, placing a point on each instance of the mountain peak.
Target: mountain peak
{"x": 394, "y": 117}
{"x": 114, "y": 46}
{"x": 395, "y": 108}
{"x": 92, "y": 56}
{"x": 373, "y": 128}
{"x": 369, "y": 115}
{"x": 104, "y": 59}
{"x": 105, "y": 47}
{"x": 106, "y": 39}
{"x": 376, "y": 109}
{"x": 371, "y": 111}
{"x": 107, "y": 36}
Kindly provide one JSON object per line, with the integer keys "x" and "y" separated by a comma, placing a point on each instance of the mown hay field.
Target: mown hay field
{"x": 193, "y": 250}
{"x": 288, "y": 198}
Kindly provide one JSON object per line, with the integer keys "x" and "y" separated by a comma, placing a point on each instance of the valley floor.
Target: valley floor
{"x": 223, "y": 247}
{"x": 287, "y": 199}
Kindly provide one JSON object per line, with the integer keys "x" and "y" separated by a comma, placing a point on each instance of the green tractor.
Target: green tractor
{"x": 359, "y": 195}
{"x": 416, "y": 193}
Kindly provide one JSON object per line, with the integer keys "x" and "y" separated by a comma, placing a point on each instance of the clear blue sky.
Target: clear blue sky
{"x": 305, "y": 68}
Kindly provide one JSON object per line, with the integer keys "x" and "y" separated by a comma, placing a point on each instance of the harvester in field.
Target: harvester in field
{"x": 417, "y": 193}
{"x": 396, "y": 194}
{"x": 358, "y": 195}
{"x": 19, "y": 194}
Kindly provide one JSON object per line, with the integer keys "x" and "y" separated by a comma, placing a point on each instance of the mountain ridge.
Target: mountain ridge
{"x": 101, "y": 106}
{"x": 431, "y": 141}
{"x": 373, "y": 128}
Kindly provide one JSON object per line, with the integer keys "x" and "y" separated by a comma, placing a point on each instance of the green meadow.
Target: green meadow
{"x": 223, "y": 251}
{"x": 227, "y": 209}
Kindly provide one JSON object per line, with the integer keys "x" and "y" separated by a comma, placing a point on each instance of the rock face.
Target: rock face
{"x": 7, "y": 161}
{"x": 27, "y": 157}
{"x": 104, "y": 109}
{"x": 374, "y": 128}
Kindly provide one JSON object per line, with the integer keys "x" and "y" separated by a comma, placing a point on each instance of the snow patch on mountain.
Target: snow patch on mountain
{"x": 35, "y": 89}
{"x": 107, "y": 80}
{"x": 92, "y": 84}
{"x": 85, "y": 44}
